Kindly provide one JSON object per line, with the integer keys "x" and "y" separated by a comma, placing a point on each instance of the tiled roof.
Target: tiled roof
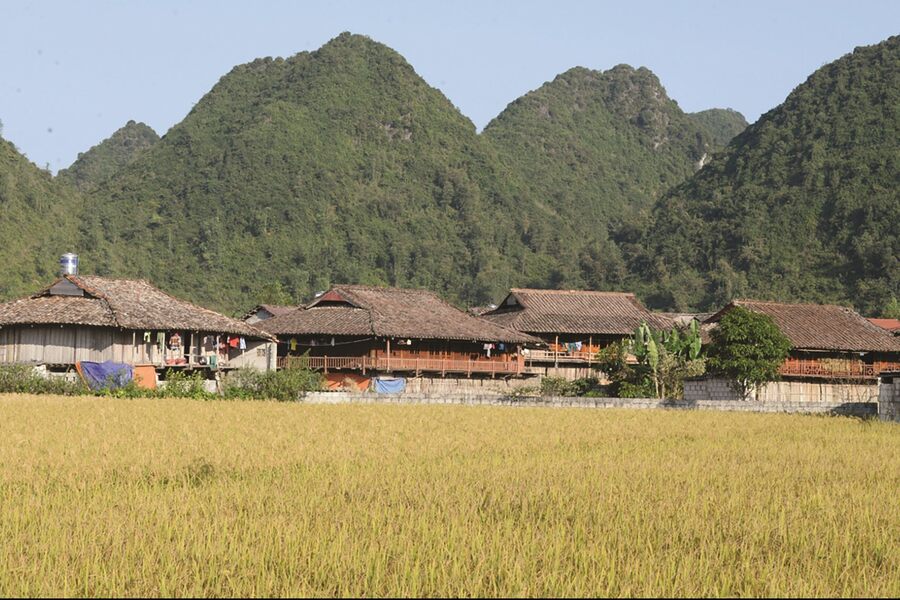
{"x": 889, "y": 324}
{"x": 670, "y": 320}
{"x": 821, "y": 326}
{"x": 42, "y": 310}
{"x": 388, "y": 312}
{"x": 324, "y": 320}
{"x": 272, "y": 309}
{"x": 122, "y": 303}
{"x": 570, "y": 311}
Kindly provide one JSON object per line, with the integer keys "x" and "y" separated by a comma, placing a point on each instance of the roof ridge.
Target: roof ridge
{"x": 798, "y": 304}
{"x": 385, "y": 288}
{"x": 573, "y": 292}
{"x": 98, "y": 295}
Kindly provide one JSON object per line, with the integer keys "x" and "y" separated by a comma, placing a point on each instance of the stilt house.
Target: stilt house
{"x": 87, "y": 318}
{"x": 374, "y": 330}
{"x": 574, "y": 325}
{"x": 829, "y": 342}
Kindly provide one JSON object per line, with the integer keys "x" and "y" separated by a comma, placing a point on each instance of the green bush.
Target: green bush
{"x": 284, "y": 385}
{"x": 243, "y": 384}
{"x": 559, "y": 386}
{"x": 22, "y": 379}
{"x": 555, "y": 386}
{"x": 183, "y": 385}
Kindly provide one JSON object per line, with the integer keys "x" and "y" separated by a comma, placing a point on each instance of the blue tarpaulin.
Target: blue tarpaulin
{"x": 105, "y": 375}
{"x": 389, "y": 385}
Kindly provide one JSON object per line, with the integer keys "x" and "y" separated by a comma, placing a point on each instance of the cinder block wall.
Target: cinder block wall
{"x": 864, "y": 409}
{"x": 468, "y": 386}
{"x": 889, "y": 400}
{"x": 784, "y": 391}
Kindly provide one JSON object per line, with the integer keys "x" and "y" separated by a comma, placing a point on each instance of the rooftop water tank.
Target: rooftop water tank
{"x": 68, "y": 264}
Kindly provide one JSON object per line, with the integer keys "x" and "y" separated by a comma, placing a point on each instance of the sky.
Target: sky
{"x": 71, "y": 73}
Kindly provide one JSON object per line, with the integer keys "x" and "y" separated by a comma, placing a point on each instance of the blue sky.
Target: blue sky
{"x": 74, "y": 72}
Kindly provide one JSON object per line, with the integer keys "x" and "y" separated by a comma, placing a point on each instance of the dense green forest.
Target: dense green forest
{"x": 596, "y": 149}
{"x": 343, "y": 165}
{"x": 803, "y": 205}
{"x": 599, "y": 146}
{"x": 723, "y": 124}
{"x": 37, "y": 223}
{"x": 109, "y": 157}
{"x": 290, "y": 174}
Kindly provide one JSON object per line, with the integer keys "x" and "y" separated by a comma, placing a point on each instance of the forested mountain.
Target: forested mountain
{"x": 343, "y": 165}
{"x": 803, "y": 205}
{"x": 599, "y": 146}
{"x": 109, "y": 156}
{"x": 335, "y": 165}
{"x": 723, "y": 124}
{"x": 37, "y": 217}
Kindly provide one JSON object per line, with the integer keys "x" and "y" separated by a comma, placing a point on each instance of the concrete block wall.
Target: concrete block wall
{"x": 889, "y": 400}
{"x": 864, "y": 409}
{"x": 468, "y": 386}
{"x": 784, "y": 391}
{"x": 709, "y": 389}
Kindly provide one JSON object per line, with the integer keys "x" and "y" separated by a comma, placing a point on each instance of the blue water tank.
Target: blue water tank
{"x": 68, "y": 264}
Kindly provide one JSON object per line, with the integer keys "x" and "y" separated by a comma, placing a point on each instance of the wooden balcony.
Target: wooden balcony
{"x": 401, "y": 364}
{"x": 835, "y": 369}
{"x": 563, "y": 357}
{"x": 552, "y": 356}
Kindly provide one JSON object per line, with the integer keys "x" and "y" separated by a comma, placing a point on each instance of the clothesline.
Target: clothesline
{"x": 214, "y": 341}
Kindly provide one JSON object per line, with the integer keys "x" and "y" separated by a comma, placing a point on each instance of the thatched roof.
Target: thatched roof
{"x": 820, "y": 326}
{"x": 358, "y": 310}
{"x": 570, "y": 311}
{"x": 120, "y": 303}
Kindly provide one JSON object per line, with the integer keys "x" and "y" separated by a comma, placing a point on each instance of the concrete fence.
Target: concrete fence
{"x": 889, "y": 397}
{"x": 860, "y": 409}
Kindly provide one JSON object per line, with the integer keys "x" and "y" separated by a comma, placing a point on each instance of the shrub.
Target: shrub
{"x": 555, "y": 386}
{"x": 22, "y": 379}
{"x": 284, "y": 385}
{"x": 559, "y": 386}
{"x": 183, "y": 385}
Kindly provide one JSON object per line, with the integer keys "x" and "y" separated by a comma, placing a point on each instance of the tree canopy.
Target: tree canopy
{"x": 747, "y": 348}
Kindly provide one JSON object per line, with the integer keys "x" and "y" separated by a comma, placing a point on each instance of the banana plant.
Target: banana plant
{"x": 677, "y": 346}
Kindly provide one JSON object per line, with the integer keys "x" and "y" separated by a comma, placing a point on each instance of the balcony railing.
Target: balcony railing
{"x": 554, "y": 356}
{"x": 835, "y": 369}
{"x": 386, "y": 364}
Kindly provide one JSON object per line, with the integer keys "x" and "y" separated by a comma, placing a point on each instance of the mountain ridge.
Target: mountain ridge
{"x": 344, "y": 165}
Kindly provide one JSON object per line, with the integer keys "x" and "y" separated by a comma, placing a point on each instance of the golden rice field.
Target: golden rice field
{"x": 180, "y": 497}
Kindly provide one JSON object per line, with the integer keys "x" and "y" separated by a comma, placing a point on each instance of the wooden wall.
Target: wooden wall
{"x": 52, "y": 344}
{"x": 377, "y": 348}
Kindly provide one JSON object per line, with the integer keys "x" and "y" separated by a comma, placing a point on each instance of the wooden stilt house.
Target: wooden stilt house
{"x": 391, "y": 330}
{"x": 829, "y": 342}
{"x": 87, "y": 318}
{"x": 573, "y": 324}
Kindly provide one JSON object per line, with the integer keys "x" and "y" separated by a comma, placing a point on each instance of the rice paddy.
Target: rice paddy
{"x": 146, "y": 497}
